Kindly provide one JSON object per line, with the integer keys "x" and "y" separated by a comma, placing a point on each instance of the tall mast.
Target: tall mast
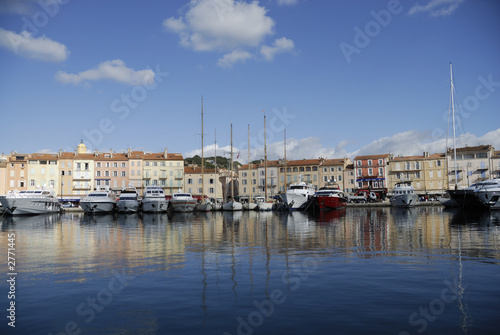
{"x": 232, "y": 183}
{"x": 202, "y": 157}
{"x": 216, "y": 175}
{"x": 453, "y": 123}
{"x": 265, "y": 161}
{"x": 285, "y": 155}
{"x": 249, "y": 179}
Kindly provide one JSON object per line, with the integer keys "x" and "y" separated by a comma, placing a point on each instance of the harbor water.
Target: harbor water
{"x": 425, "y": 270}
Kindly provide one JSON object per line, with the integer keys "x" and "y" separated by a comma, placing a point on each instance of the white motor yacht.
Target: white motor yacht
{"x": 153, "y": 200}
{"x": 182, "y": 202}
{"x": 31, "y": 202}
{"x": 98, "y": 202}
{"x": 297, "y": 195}
{"x": 128, "y": 201}
{"x": 489, "y": 193}
{"x": 404, "y": 195}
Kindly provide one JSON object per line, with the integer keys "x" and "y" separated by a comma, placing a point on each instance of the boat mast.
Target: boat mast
{"x": 284, "y": 136}
{"x": 232, "y": 180}
{"x": 265, "y": 161}
{"x": 453, "y": 123}
{"x": 216, "y": 175}
{"x": 249, "y": 179}
{"x": 202, "y": 156}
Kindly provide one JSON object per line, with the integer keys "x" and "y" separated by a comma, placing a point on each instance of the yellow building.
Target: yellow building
{"x": 165, "y": 170}
{"x": 43, "y": 171}
{"x": 193, "y": 182}
{"x": 427, "y": 173}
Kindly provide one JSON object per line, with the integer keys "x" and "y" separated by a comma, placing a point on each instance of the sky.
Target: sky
{"x": 334, "y": 78}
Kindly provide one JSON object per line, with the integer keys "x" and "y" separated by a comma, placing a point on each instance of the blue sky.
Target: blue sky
{"x": 343, "y": 77}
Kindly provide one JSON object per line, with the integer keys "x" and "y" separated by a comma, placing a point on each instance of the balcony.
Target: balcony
{"x": 81, "y": 178}
{"x": 81, "y": 187}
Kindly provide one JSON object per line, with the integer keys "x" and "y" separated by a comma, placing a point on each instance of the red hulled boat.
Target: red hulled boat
{"x": 329, "y": 198}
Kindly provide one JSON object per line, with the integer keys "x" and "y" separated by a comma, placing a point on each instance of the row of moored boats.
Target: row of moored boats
{"x": 481, "y": 195}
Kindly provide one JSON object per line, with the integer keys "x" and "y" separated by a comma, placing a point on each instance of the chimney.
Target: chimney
{"x": 165, "y": 153}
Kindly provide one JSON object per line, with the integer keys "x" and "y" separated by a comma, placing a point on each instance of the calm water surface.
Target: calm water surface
{"x": 355, "y": 271}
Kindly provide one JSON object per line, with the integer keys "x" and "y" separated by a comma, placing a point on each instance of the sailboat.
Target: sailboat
{"x": 203, "y": 206}
{"x": 216, "y": 205}
{"x": 264, "y": 205}
{"x": 250, "y": 205}
{"x": 466, "y": 197}
{"x": 232, "y": 205}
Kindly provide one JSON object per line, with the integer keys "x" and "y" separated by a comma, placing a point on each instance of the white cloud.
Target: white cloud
{"x": 41, "y": 48}
{"x": 221, "y": 25}
{"x": 111, "y": 70}
{"x": 228, "y": 60}
{"x": 280, "y": 45}
{"x": 408, "y": 143}
{"x": 436, "y": 7}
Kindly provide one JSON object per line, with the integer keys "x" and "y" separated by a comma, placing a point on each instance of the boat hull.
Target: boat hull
{"x": 265, "y": 206}
{"x": 404, "y": 200}
{"x": 127, "y": 206}
{"x": 232, "y": 206}
{"x": 182, "y": 206}
{"x": 330, "y": 203}
{"x": 154, "y": 205}
{"x": 465, "y": 198}
{"x": 295, "y": 201}
{"x": 27, "y": 206}
{"x": 489, "y": 198}
{"x": 206, "y": 207}
{"x": 97, "y": 207}
{"x": 249, "y": 206}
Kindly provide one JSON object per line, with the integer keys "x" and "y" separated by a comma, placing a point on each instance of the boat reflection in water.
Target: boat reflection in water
{"x": 201, "y": 273}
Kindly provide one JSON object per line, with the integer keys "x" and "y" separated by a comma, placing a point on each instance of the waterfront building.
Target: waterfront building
{"x": 495, "y": 165}
{"x": 334, "y": 171}
{"x": 3, "y": 175}
{"x": 135, "y": 163}
{"x": 65, "y": 189}
{"x": 110, "y": 171}
{"x": 474, "y": 164}
{"x": 17, "y": 172}
{"x": 83, "y": 171}
{"x": 43, "y": 171}
{"x": 427, "y": 173}
{"x": 165, "y": 170}
{"x": 371, "y": 171}
{"x": 349, "y": 178}
{"x": 193, "y": 182}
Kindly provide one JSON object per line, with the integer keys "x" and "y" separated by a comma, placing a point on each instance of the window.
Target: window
{"x": 370, "y": 172}
{"x": 438, "y": 163}
{"x": 211, "y": 190}
{"x": 244, "y": 174}
{"x": 124, "y": 165}
{"x": 340, "y": 177}
{"x": 200, "y": 181}
{"x": 123, "y": 173}
{"x": 380, "y": 162}
{"x": 98, "y": 164}
{"x": 301, "y": 169}
{"x": 380, "y": 171}
{"x": 190, "y": 181}
{"x": 407, "y": 166}
{"x": 417, "y": 165}
{"x": 32, "y": 182}
{"x": 106, "y": 174}
{"x": 325, "y": 169}
{"x": 244, "y": 181}
{"x": 417, "y": 174}
{"x": 78, "y": 166}
{"x": 308, "y": 168}
{"x": 359, "y": 172}
{"x": 359, "y": 163}
{"x": 370, "y": 162}
{"x": 211, "y": 181}
{"x": 98, "y": 173}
